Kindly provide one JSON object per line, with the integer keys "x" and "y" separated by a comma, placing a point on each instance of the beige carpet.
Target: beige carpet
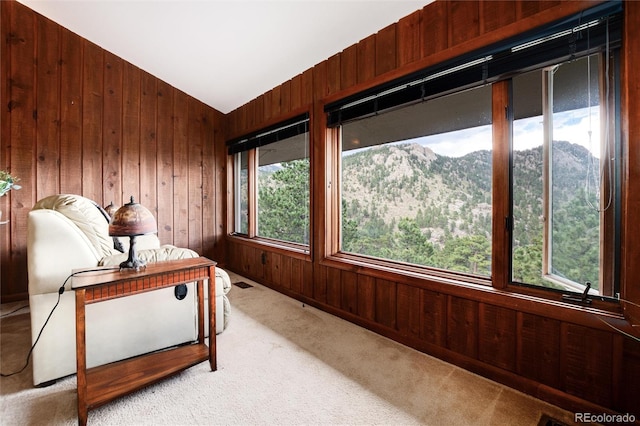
{"x": 281, "y": 363}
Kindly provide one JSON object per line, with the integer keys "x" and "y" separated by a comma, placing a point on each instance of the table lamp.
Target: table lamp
{"x": 132, "y": 220}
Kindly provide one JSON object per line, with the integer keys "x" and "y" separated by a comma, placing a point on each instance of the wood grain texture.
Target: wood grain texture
{"x": 462, "y": 326}
{"x": 409, "y": 310}
{"x": 386, "y": 50}
{"x": 586, "y": 363}
{"x": 112, "y": 130}
{"x": 558, "y": 353}
{"x": 366, "y": 297}
{"x": 434, "y": 317}
{"x": 80, "y": 120}
{"x": 538, "y": 349}
{"x": 386, "y": 304}
{"x": 409, "y": 40}
{"x": 71, "y": 54}
{"x": 349, "y": 292}
{"x": 47, "y": 107}
{"x": 497, "y": 336}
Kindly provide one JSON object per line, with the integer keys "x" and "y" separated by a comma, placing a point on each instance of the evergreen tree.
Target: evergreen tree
{"x": 283, "y": 203}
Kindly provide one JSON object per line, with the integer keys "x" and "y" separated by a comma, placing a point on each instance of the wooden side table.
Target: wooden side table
{"x": 102, "y": 384}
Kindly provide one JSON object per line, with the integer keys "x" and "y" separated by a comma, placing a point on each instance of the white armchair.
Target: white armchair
{"x": 67, "y": 232}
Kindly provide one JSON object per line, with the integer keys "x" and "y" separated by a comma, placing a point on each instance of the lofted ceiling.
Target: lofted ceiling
{"x": 225, "y": 52}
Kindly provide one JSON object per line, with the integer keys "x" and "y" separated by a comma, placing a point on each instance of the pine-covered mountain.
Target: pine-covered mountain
{"x": 398, "y": 195}
{"x": 406, "y": 203}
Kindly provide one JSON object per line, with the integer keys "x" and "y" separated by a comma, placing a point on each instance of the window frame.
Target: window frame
{"x": 252, "y": 182}
{"x": 500, "y": 279}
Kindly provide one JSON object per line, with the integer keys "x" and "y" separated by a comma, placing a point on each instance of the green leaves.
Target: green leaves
{"x": 7, "y": 182}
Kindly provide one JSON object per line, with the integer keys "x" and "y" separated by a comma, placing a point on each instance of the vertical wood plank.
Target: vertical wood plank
{"x": 630, "y": 274}
{"x": 367, "y": 297}
{"x": 538, "y": 349}
{"x": 194, "y": 187}
{"x": 334, "y": 287}
{"x": 285, "y": 97}
{"x": 47, "y": 107}
{"x": 268, "y": 106}
{"x": 434, "y": 317}
{"x": 296, "y": 92}
{"x": 70, "y": 112}
{"x": 275, "y": 260}
{"x": 276, "y": 101}
{"x": 148, "y": 142}
{"x": 464, "y": 20}
{"x": 286, "y": 272}
{"x": 112, "y": 131}
{"x": 333, "y": 74}
{"x": 462, "y": 326}
{"x": 5, "y": 131}
{"x": 306, "y": 87}
{"x": 349, "y": 67}
{"x": 409, "y": 310}
{"x": 296, "y": 275}
{"x": 386, "y": 49}
{"x": 586, "y": 363}
{"x": 180, "y": 169}
{"x": 496, "y": 14}
{"x": 21, "y": 106}
{"x": 210, "y": 196}
{"x": 131, "y": 133}
{"x": 629, "y": 387}
{"x": 409, "y": 38}
{"x": 320, "y": 283}
{"x": 307, "y": 279}
{"x": 497, "y": 336}
{"x": 366, "y": 60}
{"x": 386, "y": 303}
{"x": 349, "y": 292}
{"x": 165, "y": 162}
{"x": 320, "y": 87}
{"x": 435, "y": 28}
{"x": 258, "y": 112}
{"x": 91, "y": 173}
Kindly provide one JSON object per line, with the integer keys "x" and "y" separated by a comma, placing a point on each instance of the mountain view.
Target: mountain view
{"x": 406, "y": 203}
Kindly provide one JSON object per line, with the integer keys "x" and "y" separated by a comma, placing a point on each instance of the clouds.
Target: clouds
{"x": 572, "y": 126}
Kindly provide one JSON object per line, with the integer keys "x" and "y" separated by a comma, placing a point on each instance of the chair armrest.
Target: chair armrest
{"x": 55, "y": 246}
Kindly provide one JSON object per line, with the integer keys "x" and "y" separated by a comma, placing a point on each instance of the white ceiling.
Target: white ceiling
{"x": 224, "y": 52}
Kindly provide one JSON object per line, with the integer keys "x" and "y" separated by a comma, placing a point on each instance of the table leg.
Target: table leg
{"x": 81, "y": 357}
{"x": 213, "y": 362}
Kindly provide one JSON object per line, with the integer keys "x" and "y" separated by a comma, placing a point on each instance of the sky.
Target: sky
{"x": 572, "y": 126}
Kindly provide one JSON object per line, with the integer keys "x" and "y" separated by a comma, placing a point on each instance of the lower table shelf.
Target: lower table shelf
{"x": 108, "y": 382}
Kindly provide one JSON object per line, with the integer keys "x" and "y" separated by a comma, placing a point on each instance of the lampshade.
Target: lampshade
{"x": 132, "y": 220}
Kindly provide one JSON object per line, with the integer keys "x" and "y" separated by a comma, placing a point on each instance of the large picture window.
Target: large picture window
{"x": 418, "y": 157}
{"x": 416, "y": 183}
{"x": 271, "y": 183}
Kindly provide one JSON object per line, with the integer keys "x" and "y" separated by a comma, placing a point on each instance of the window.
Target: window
{"x": 241, "y": 192}
{"x": 564, "y": 176}
{"x": 278, "y": 181}
{"x": 416, "y": 171}
{"x": 416, "y": 183}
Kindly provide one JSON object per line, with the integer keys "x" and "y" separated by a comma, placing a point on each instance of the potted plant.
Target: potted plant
{"x": 7, "y": 183}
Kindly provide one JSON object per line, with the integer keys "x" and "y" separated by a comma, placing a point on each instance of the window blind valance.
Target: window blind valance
{"x": 280, "y": 131}
{"x": 575, "y": 36}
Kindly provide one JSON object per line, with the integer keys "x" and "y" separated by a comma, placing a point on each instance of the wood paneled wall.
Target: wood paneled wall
{"x": 564, "y": 355}
{"x": 78, "y": 119}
